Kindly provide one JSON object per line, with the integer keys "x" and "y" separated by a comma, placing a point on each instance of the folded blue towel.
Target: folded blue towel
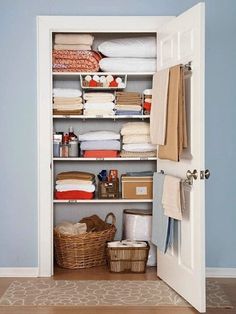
{"x": 128, "y": 113}
{"x": 162, "y": 226}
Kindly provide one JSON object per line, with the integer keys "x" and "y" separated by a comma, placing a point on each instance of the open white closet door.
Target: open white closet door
{"x": 183, "y": 266}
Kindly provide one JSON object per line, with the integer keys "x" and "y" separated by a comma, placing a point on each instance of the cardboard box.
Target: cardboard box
{"x": 136, "y": 187}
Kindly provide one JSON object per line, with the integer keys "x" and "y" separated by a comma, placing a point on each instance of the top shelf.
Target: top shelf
{"x": 102, "y": 73}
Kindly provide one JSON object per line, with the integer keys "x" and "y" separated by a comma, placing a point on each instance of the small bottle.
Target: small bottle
{"x": 71, "y": 132}
{"x": 64, "y": 148}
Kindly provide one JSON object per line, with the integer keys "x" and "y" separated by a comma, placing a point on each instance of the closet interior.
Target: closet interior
{"x": 129, "y": 80}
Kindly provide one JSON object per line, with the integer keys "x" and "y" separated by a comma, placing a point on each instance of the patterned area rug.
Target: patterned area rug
{"x": 48, "y": 292}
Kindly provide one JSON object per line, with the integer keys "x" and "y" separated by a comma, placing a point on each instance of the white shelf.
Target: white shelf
{"x": 102, "y": 73}
{"x": 104, "y": 159}
{"x": 103, "y": 201}
{"x": 82, "y": 117}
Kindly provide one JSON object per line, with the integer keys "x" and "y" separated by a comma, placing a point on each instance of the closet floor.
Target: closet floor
{"x": 228, "y": 285}
{"x": 101, "y": 273}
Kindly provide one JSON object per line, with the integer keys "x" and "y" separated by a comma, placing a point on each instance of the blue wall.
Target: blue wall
{"x": 18, "y": 158}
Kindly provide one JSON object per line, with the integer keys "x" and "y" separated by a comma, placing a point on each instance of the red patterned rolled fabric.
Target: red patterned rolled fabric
{"x": 75, "y": 61}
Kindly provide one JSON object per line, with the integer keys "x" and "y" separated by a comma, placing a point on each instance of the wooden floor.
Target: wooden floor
{"x": 101, "y": 273}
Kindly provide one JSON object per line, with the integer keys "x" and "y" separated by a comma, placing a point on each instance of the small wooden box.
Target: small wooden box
{"x": 108, "y": 189}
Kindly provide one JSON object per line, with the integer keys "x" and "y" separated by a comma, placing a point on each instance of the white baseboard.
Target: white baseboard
{"x": 221, "y": 272}
{"x": 19, "y": 271}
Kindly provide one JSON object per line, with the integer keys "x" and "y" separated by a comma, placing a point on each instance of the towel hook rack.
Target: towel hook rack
{"x": 190, "y": 176}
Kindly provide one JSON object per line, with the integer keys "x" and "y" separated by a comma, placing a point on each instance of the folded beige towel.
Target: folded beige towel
{"x": 67, "y": 100}
{"x": 72, "y": 47}
{"x": 159, "y": 107}
{"x": 171, "y": 197}
{"x": 74, "y": 39}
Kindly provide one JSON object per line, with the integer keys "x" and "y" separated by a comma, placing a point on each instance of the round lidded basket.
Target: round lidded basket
{"x": 84, "y": 250}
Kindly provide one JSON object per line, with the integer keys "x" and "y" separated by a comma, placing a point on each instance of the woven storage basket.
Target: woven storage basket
{"x": 84, "y": 250}
{"x": 127, "y": 259}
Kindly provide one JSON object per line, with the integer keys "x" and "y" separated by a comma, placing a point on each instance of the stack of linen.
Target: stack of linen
{"x": 128, "y": 103}
{"x": 73, "y": 42}
{"x": 72, "y": 53}
{"x": 136, "y": 140}
{"x": 99, "y": 104}
{"x": 75, "y": 185}
{"x": 67, "y": 101}
{"x": 100, "y": 144}
{"x": 137, "y": 54}
{"x": 147, "y": 101}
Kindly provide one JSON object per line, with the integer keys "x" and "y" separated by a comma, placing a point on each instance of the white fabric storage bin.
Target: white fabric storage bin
{"x": 138, "y": 226}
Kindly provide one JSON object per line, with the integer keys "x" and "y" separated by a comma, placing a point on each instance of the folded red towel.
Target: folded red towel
{"x": 100, "y": 153}
{"x": 74, "y": 195}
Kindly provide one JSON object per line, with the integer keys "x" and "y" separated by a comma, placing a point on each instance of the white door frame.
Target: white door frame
{"x": 46, "y": 25}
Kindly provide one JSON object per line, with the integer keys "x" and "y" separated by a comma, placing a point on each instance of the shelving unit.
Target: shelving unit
{"x": 77, "y": 209}
{"x": 95, "y": 200}
{"x": 82, "y": 117}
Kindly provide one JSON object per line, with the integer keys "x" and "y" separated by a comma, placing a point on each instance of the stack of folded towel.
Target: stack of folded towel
{"x": 100, "y": 144}
{"x": 136, "y": 140}
{"x": 137, "y": 54}
{"x": 147, "y": 101}
{"x": 128, "y": 103}
{"x": 72, "y": 53}
{"x": 73, "y": 42}
{"x": 99, "y": 103}
{"x": 75, "y": 185}
{"x": 67, "y": 101}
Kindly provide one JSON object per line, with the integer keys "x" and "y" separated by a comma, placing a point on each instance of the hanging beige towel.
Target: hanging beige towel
{"x": 176, "y": 129}
{"x": 159, "y": 107}
{"x": 171, "y": 148}
{"x": 171, "y": 197}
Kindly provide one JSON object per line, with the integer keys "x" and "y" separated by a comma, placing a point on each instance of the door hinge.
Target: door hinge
{"x": 50, "y": 166}
{"x": 205, "y": 174}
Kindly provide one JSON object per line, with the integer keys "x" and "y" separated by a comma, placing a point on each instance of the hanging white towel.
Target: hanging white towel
{"x": 171, "y": 197}
{"x": 159, "y": 107}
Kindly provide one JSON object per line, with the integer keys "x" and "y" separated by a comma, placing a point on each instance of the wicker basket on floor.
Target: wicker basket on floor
{"x": 84, "y": 250}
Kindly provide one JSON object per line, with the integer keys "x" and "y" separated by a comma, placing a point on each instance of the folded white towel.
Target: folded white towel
{"x": 171, "y": 198}
{"x": 66, "y": 92}
{"x": 98, "y": 106}
{"x": 100, "y": 145}
{"x": 99, "y": 96}
{"x": 135, "y": 128}
{"x": 140, "y": 147}
{"x": 135, "y": 139}
{"x": 99, "y": 135}
{"x": 77, "y": 187}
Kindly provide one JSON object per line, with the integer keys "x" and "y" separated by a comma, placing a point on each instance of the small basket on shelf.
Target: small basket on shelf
{"x": 108, "y": 189}
{"x": 84, "y": 250}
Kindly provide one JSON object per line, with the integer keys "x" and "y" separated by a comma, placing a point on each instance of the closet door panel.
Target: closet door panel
{"x": 183, "y": 266}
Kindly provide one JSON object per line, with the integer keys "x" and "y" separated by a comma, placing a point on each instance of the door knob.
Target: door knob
{"x": 191, "y": 176}
{"x": 205, "y": 174}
